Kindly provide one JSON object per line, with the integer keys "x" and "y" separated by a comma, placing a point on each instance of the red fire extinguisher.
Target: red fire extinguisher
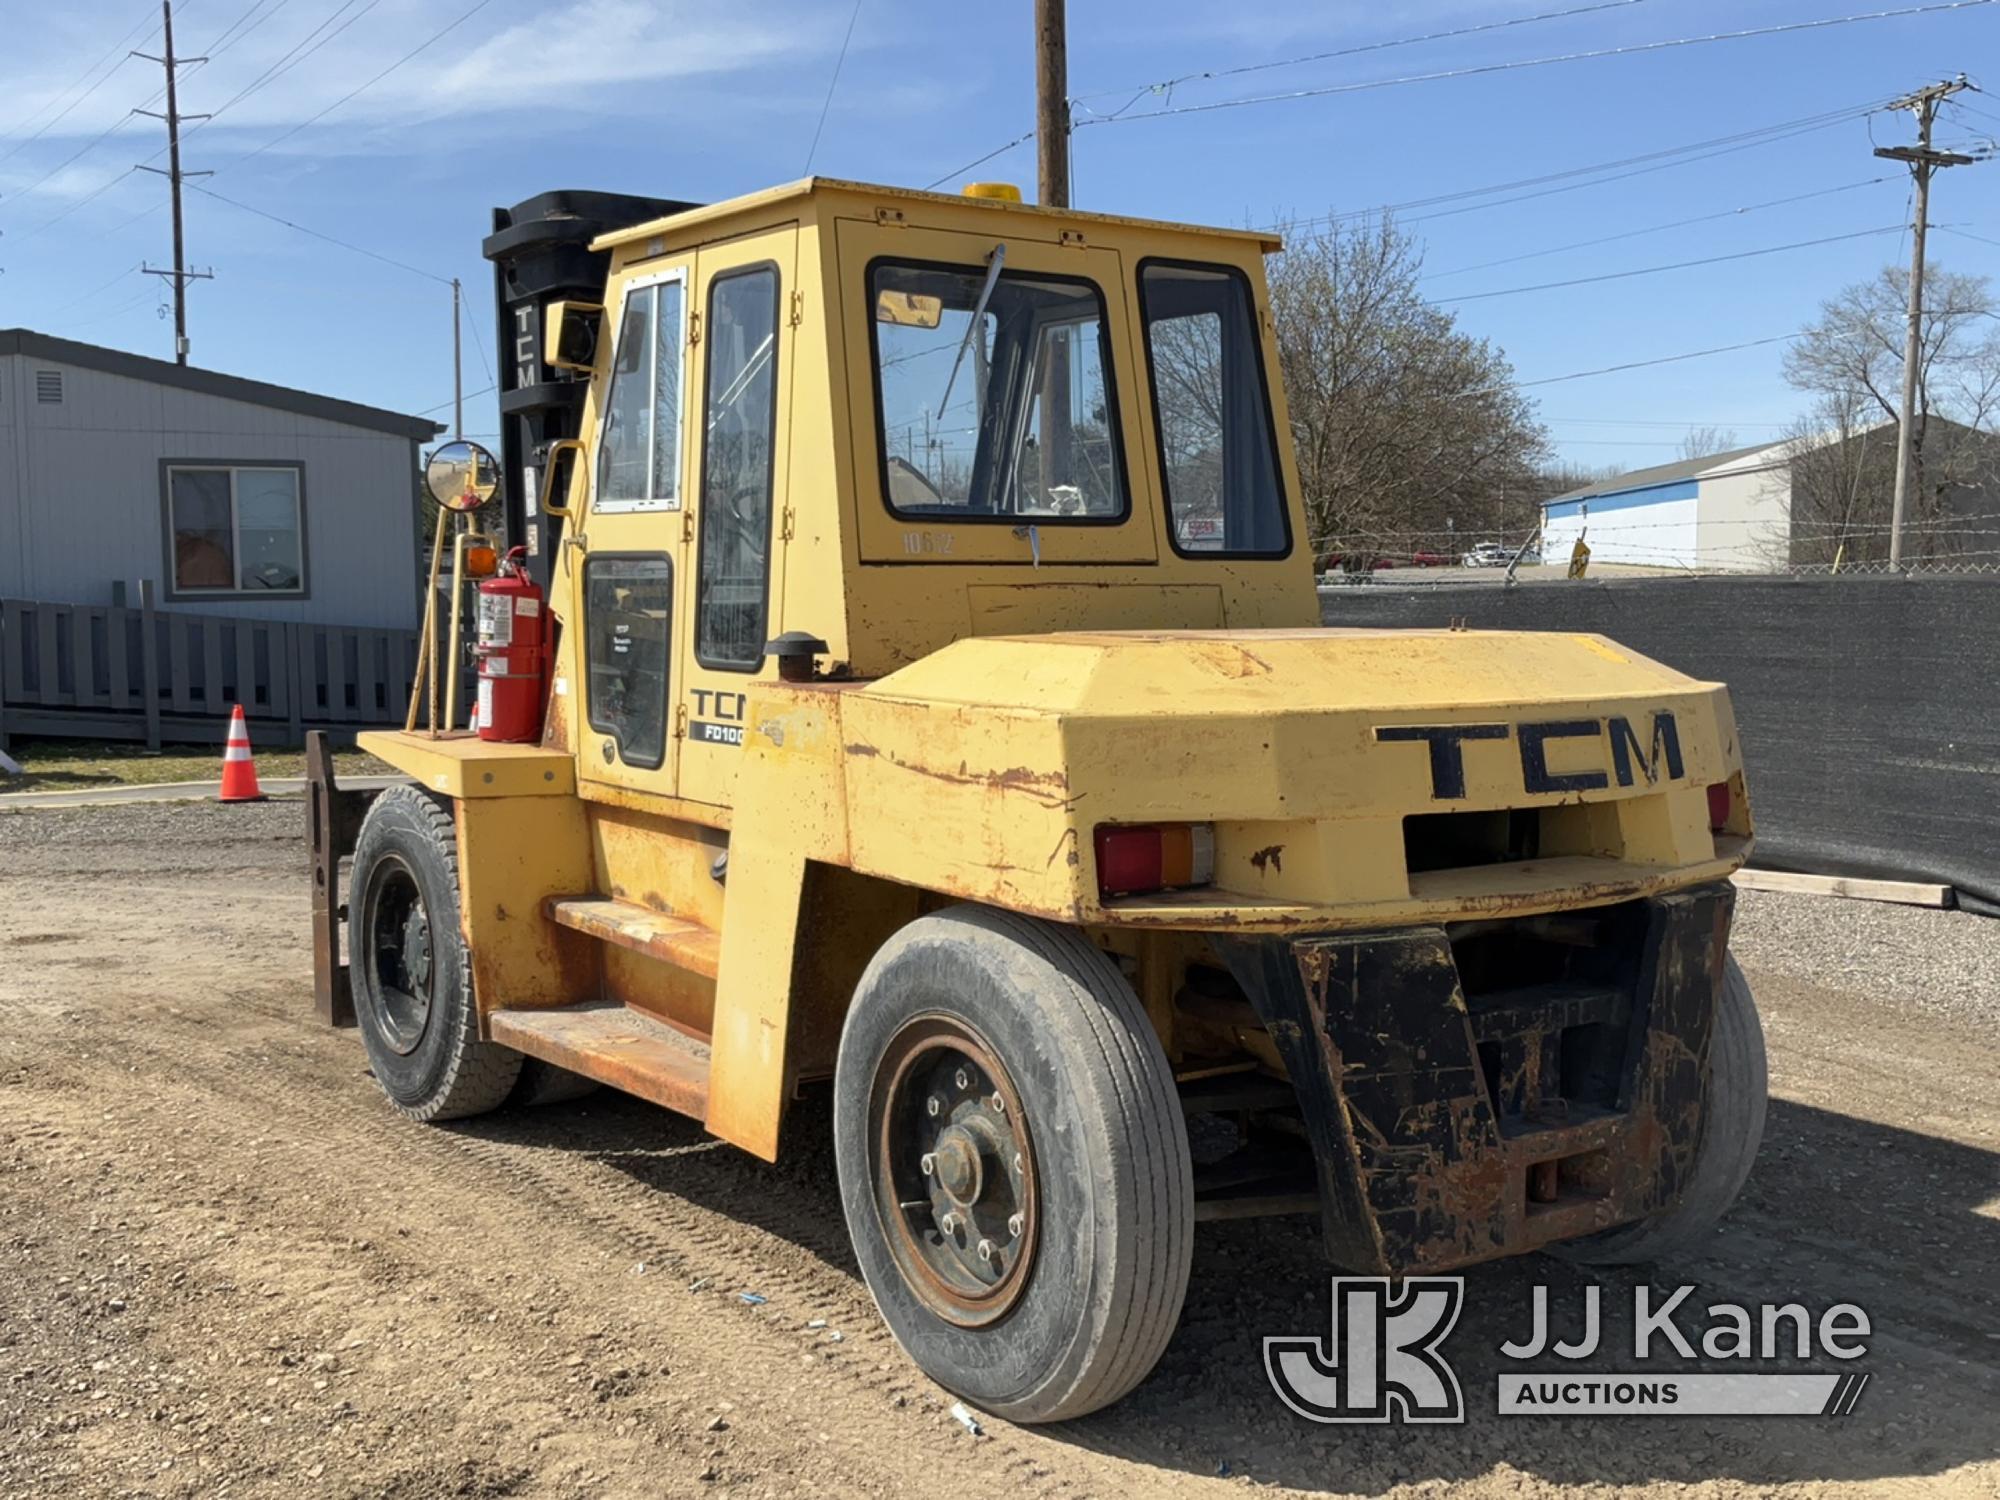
{"x": 512, "y": 651}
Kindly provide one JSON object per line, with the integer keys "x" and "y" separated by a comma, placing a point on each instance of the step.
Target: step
{"x": 675, "y": 940}
{"x": 616, "y": 1045}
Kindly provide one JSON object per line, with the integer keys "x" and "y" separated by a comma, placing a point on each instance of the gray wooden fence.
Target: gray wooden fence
{"x": 101, "y": 671}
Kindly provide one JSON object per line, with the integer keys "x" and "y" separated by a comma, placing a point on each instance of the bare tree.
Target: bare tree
{"x": 1850, "y": 361}
{"x": 1402, "y": 422}
{"x": 1700, "y": 442}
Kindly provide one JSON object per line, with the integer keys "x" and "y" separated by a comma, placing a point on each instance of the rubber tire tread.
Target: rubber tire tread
{"x": 1732, "y": 1129}
{"x": 1152, "y": 1249}
{"x": 479, "y": 1075}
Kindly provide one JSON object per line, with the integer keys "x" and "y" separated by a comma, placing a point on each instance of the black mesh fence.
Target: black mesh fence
{"x": 1869, "y": 708}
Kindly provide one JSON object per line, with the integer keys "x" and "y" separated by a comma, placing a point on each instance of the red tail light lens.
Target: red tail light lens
{"x": 1719, "y": 802}
{"x": 1153, "y": 857}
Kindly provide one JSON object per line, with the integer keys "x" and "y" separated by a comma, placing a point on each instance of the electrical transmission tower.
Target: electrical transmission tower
{"x": 1922, "y": 162}
{"x": 180, "y": 275}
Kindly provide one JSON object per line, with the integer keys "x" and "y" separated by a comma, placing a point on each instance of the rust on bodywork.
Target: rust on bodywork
{"x": 1271, "y": 857}
{"x": 1448, "y": 1129}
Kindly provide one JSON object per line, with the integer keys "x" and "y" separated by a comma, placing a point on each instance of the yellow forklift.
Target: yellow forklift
{"x": 934, "y": 704}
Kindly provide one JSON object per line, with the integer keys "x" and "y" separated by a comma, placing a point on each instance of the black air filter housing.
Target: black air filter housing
{"x": 541, "y": 253}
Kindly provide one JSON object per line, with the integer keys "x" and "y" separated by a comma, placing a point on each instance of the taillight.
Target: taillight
{"x": 1718, "y": 807}
{"x": 1145, "y": 857}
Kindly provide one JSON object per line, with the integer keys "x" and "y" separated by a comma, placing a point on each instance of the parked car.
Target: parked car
{"x": 1488, "y": 555}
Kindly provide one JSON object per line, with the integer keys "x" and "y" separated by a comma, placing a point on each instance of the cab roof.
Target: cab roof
{"x": 812, "y": 187}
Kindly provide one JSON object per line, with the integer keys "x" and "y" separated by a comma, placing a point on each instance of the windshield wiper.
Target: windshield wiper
{"x": 978, "y": 317}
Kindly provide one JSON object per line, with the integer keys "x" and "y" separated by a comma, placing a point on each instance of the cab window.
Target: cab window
{"x": 1013, "y": 418}
{"x": 639, "y": 464}
{"x": 738, "y": 432}
{"x": 627, "y": 610}
{"x": 1212, "y": 410}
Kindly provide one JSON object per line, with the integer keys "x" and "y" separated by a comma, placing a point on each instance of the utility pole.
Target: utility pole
{"x": 1052, "y": 103}
{"x": 180, "y": 275}
{"x": 1922, "y": 161}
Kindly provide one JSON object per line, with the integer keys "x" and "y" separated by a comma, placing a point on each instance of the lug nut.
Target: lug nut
{"x": 949, "y": 1223}
{"x": 999, "y": 1105}
{"x": 1014, "y": 1226}
{"x": 931, "y": 1105}
{"x": 962, "y": 1079}
{"x": 986, "y": 1250}
{"x": 929, "y": 1164}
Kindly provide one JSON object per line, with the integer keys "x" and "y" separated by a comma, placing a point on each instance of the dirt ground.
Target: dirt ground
{"x": 226, "y": 1268}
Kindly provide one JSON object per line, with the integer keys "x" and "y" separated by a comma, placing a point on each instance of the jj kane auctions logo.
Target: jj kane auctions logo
{"x": 1382, "y": 1360}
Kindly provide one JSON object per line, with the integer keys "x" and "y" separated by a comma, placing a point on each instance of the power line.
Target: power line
{"x": 979, "y": 161}
{"x": 435, "y": 37}
{"x": 1647, "y": 161}
{"x": 1679, "y": 265}
{"x": 1481, "y": 69}
{"x": 330, "y": 239}
{"x": 1726, "y": 213}
{"x": 1967, "y": 234}
{"x": 1637, "y": 364}
{"x": 832, "y": 84}
{"x": 1355, "y": 51}
{"x": 117, "y": 56}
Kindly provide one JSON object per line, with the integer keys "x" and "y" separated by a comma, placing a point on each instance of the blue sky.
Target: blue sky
{"x": 704, "y": 101}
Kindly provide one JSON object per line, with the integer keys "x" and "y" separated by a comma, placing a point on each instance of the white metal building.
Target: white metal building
{"x": 1726, "y": 511}
{"x": 235, "y": 497}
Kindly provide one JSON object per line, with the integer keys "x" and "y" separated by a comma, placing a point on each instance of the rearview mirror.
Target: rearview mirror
{"x": 910, "y": 309}
{"x": 462, "y": 476}
{"x": 570, "y": 335}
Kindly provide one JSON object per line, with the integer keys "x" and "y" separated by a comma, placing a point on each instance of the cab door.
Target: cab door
{"x": 741, "y": 428}
{"x": 631, "y": 547}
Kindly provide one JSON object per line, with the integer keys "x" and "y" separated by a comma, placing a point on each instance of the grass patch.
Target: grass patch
{"x": 76, "y": 765}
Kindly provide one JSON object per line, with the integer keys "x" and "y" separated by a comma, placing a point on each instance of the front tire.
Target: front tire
{"x": 1732, "y": 1129}
{"x": 1013, "y": 1163}
{"x": 412, "y": 975}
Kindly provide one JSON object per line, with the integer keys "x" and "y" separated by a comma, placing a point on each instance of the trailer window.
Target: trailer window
{"x": 628, "y": 611}
{"x": 738, "y": 431}
{"x": 1026, "y": 426}
{"x": 639, "y": 465}
{"x": 1212, "y": 409}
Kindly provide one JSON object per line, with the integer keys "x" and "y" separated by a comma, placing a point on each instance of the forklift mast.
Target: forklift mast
{"x": 540, "y": 249}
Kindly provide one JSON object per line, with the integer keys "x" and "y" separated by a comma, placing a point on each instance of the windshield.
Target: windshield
{"x": 1027, "y": 426}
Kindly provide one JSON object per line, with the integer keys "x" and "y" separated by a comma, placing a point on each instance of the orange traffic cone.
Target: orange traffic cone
{"x": 239, "y": 771}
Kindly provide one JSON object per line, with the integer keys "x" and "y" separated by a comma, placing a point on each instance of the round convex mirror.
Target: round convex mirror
{"x": 462, "y": 475}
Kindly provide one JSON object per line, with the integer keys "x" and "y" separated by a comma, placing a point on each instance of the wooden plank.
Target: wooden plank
{"x": 212, "y": 696}
{"x": 118, "y": 693}
{"x": 285, "y": 678}
{"x": 180, "y": 670}
{"x": 47, "y": 636}
{"x": 245, "y": 636}
{"x": 1853, "y": 888}
{"x": 83, "y": 656}
{"x": 149, "y": 663}
{"x": 366, "y": 675}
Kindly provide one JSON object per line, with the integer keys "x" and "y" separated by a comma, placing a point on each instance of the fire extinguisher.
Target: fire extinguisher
{"x": 512, "y": 648}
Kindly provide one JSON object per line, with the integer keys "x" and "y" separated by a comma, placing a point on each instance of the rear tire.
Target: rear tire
{"x": 412, "y": 975}
{"x": 1732, "y": 1128}
{"x": 970, "y": 1006}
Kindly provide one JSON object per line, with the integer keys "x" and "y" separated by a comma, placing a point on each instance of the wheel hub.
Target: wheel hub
{"x": 954, "y": 1170}
{"x": 399, "y": 934}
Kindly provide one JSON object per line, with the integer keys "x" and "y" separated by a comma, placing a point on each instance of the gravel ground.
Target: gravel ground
{"x": 227, "y": 1268}
{"x": 1913, "y": 957}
